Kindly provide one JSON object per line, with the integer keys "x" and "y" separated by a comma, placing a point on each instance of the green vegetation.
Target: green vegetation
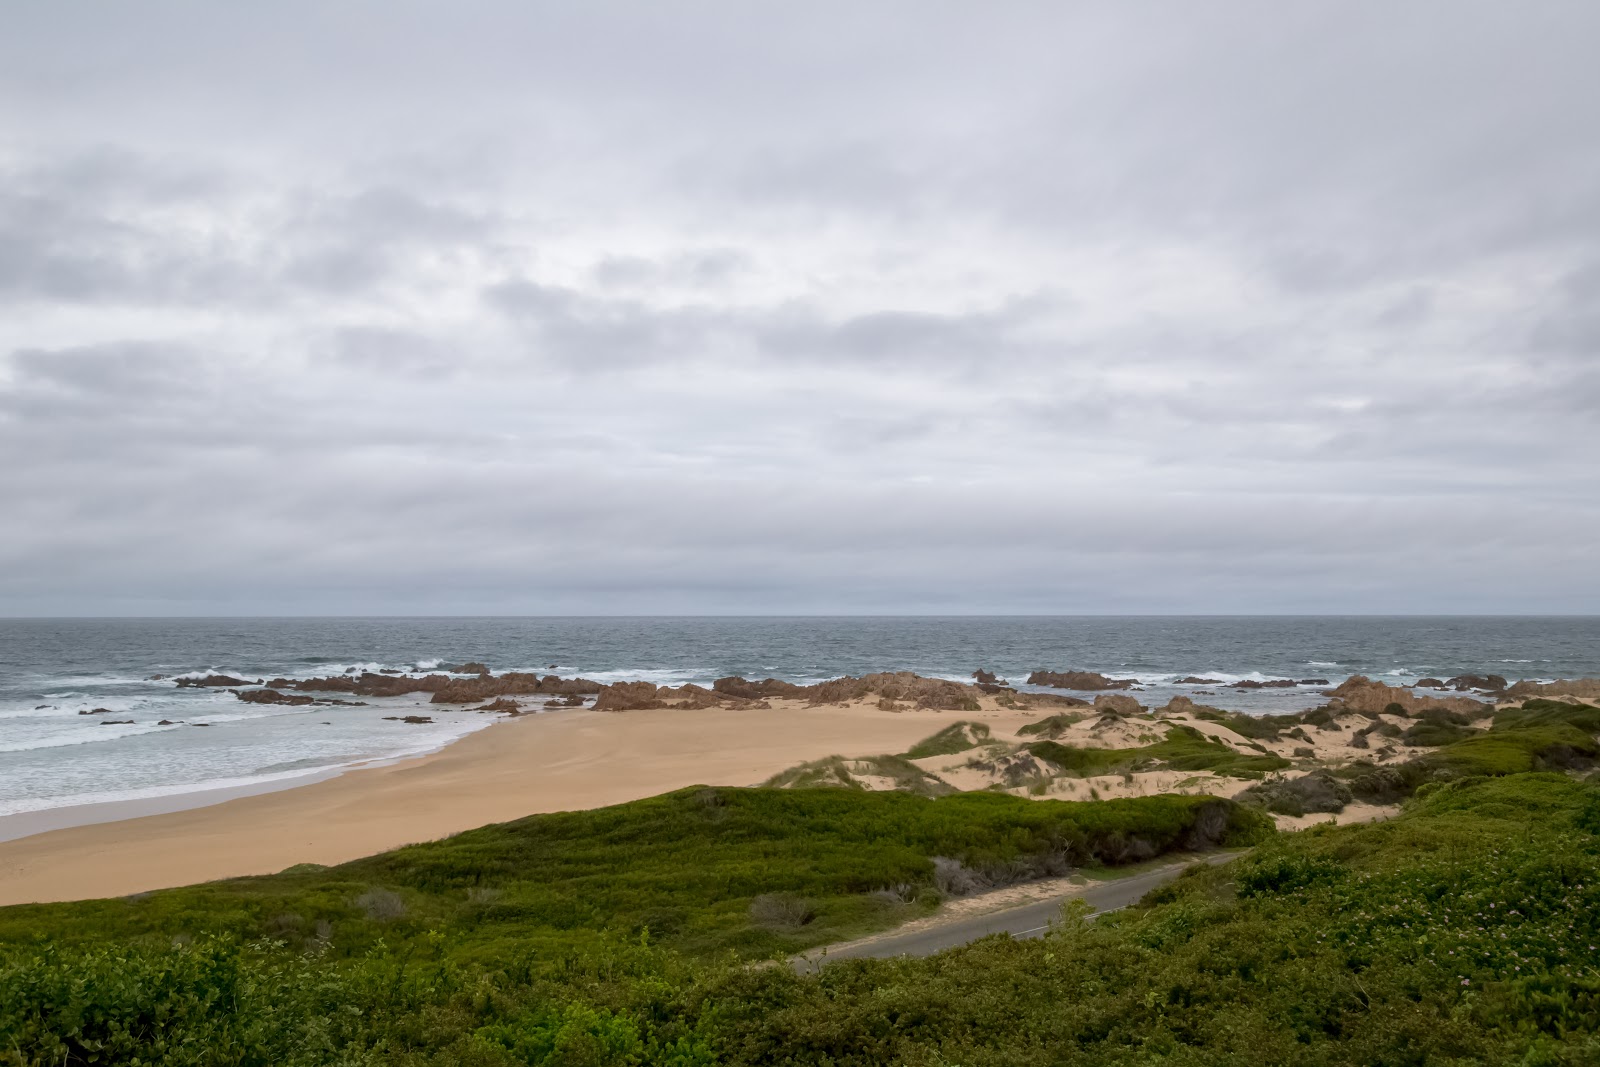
{"x": 836, "y": 772}
{"x": 957, "y": 737}
{"x": 1183, "y": 749}
{"x": 685, "y": 866}
{"x": 1550, "y": 713}
{"x": 1054, "y": 726}
{"x": 1458, "y": 933}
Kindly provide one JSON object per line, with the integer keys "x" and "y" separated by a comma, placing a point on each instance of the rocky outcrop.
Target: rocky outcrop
{"x": 221, "y": 681}
{"x": 1584, "y": 688}
{"x": 445, "y": 689}
{"x": 1117, "y": 704}
{"x": 1083, "y": 680}
{"x": 983, "y": 677}
{"x": 415, "y": 719}
{"x": 1489, "y": 683}
{"x": 629, "y": 696}
{"x": 1276, "y": 683}
{"x": 1361, "y": 694}
{"x": 938, "y": 693}
{"x": 272, "y": 696}
{"x": 503, "y": 706}
{"x": 1196, "y": 680}
{"x": 741, "y": 689}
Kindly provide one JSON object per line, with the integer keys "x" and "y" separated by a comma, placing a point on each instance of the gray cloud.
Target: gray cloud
{"x": 527, "y": 308}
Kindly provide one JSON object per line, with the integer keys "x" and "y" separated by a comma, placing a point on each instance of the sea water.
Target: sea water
{"x": 51, "y": 670}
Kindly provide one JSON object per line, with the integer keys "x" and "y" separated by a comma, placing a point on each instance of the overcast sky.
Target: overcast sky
{"x": 859, "y": 307}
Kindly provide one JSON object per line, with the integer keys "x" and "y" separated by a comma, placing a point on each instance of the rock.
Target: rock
{"x": 629, "y": 696}
{"x": 156, "y": 678}
{"x": 983, "y": 677}
{"x": 1084, "y": 680}
{"x": 1276, "y": 683}
{"x": 1429, "y": 683}
{"x": 169, "y": 722}
{"x": 1361, "y": 694}
{"x": 735, "y": 686}
{"x": 1562, "y": 687}
{"x": 222, "y": 681}
{"x": 504, "y": 706}
{"x": 91, "y": 711}
{"x": 936, "y": 693}
{"x": 272, "y": 696}
{"x": 1487, "y": 682}
{"x": 473, "y": 667}
{"x": 565, "y": 702}
{"x": 1196, "y": 680}
{"x": 408, "y": 718}
{"x": 693, "y": 696}
{"x": 1117, "y": 703}
{"x": 117, "y": 722}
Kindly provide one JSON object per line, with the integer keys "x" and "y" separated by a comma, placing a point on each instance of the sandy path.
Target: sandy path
{"x": 556, "y": 762}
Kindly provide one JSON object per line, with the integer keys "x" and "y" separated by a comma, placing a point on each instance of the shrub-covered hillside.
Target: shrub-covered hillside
{"x": 1464, "y": 931}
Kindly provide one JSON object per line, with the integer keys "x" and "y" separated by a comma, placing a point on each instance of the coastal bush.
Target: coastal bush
{"x": 957, "y": 737}
{"x": 1460, "y": 932}
{"x": 1541, "y": 712}
{"x": 1315, "y": 792}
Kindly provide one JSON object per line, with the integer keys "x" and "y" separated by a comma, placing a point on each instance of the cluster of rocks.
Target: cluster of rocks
{"x": 1087, "y": 681}
{"x": 734, "y": 691}
{"x": 273, "y": 696}
{"x": 1488, "y": 683}
{"x": 443, "y": 688}
{"x": 1361, "y": 694}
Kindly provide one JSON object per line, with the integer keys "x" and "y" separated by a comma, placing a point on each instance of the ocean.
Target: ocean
{"x": 155, "y": 740}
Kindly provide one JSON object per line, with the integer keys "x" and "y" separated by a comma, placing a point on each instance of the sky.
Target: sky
{"x": 603, "y": 308}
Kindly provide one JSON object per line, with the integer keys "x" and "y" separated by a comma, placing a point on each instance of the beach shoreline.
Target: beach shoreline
{"x": 539, "y": 763}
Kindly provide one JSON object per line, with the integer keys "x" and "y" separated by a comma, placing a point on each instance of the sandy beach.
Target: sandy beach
{"x": 555, "y": 762}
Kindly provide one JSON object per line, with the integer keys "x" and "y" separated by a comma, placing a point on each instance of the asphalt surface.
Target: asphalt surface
{"x": 1025, "y": 920}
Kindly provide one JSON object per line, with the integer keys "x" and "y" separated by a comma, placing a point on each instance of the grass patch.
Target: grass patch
{"x": 1183, "y": 749}
{"x": 957, "y": 737}
{"x": 1054, "y": 726}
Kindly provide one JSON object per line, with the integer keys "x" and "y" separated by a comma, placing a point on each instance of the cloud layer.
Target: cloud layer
{"x": 1060, "y": 308}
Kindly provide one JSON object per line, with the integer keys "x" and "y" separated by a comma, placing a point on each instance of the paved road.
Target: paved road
{"x": 1025, "y": 920}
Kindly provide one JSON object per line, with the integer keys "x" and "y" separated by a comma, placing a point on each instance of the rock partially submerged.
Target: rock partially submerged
{"x": 272, "y": 696}
{"x": 444, "y": 688}
{"x": 1088, "y": 681}
{"x": 220, "y": 681}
